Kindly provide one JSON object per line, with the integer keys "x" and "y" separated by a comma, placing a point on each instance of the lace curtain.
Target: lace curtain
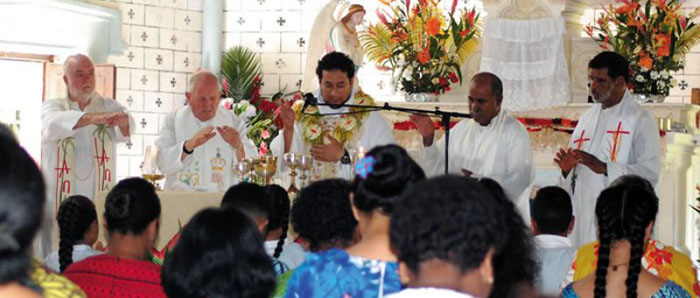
{"x": 528, "y": 55}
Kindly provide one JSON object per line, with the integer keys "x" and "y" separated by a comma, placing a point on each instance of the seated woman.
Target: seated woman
{"x": 252, "y": 200}
{"x": 367, "y": 268}
{"x": 674, "y": 265}
{"x": 132, "y": 209}
{"x": 78, "y": 231}
{"x": 219, "y": 254}
{"x": 22, "y": 199}
{"x": 625, "y": 215}
{"x": 276, "y": 243}
{"x": 446, "y": 231}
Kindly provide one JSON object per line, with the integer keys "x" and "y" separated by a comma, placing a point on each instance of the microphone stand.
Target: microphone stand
{"x": 445, "y": 117}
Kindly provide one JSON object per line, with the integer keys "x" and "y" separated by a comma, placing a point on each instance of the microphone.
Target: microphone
{"x": 309, "y": 99}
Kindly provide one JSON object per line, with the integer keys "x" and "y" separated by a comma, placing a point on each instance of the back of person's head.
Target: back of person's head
{"x": 624, "y": 212}
{"x": 249, "y": 198}
{"x": 515, "y": 266}
{"x": 21, "y": 207}
{"x": 615, "y": 64}
{"x": 382, "y": 176}
{"x": 448, "y": 218}
{"x": 336, "y": 61}
{"x": 322, "y": 214}
{"x": 552, "y": 211}
{"x": 220, "y": 253}
{"x": 131, "y": 206}
{"x": 633, "y": 180}
{"x": 279, "y": 217}
{"x": 76, "y": 214}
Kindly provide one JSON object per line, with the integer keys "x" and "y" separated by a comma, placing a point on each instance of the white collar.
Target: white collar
{"x": 552, "y": 241}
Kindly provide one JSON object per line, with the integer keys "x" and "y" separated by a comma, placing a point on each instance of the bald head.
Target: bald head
{"x": 79, "y": 76}
{"x": 492, "y": 80}
{"x": 202, "y": 76}
{"x": 485, "y": 97}
{"x": 203, "y": 95}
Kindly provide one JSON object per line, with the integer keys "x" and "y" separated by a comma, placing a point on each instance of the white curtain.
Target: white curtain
{"x": 528, "y": 56}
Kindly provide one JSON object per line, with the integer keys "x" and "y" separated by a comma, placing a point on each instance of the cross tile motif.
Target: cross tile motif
{"x": 683, "y": 85}
{"x": 144, "y": 80}
{"x": 144, "y": 36}
{"x": 261, "y": 2}
{"x": 143, "y": 122}
{"x": 130, "y": 100}
{"x": 129, "y": 144}
{"x": 301, "y": 42}
{"x": 173, "y": 82}
{"x": 159, "y": 59}
{"x": 380, "y": 85}
{"x": 159, "y": 102}
{"x": 131, "y": 13}
{"x": 240, "y": 21}
{"x": 173, "y": 39}
{"x": 298, "y": 84}
{"x": 281, "y": 21}
{"x": 131, "y": 56}
{"x": 280, "y": 63}
{"x": 260, "y": 42}
{"x": 301, "y": 1}
{"x": 187, "y": 20}
{"x": 187, "y": 62}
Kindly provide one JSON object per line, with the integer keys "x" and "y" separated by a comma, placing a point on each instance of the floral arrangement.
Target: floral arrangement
{"x": 654, "y": 36}
{"x": 424, "y": 47}
{"x": 261, "y": 114}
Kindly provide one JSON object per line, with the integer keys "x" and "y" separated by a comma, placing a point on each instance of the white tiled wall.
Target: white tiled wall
{"x": 164, "y": 47}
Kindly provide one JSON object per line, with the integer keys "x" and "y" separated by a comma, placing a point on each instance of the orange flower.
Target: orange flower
{"x": 645, "y": 61}
{"x": 627, "y": 8}
{"x": 432, "y": 26}
{"x": 423, "y": 57}
{"x": 664, "y": 44}
{"x": 399, "y": 36}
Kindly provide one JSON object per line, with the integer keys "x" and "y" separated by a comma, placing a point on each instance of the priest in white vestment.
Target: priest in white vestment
{"x": 200, "y": 143}
{"x": 332, "y": 140}
{"x": 615, "y": 137}
{"x": 79, "y": 135}
{"x": 491, "y": 144}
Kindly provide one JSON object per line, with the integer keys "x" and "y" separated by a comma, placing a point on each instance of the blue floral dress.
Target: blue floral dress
{"x": 334, "y": 273}
{"x": 669, "y": 290}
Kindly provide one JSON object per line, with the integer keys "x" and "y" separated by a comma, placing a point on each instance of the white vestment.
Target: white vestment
{"x": 210, "y": 166}
{"x": 500, "y": 151}
{"x": 375, "y": 131}
{"x": 623, "y": 136}
{"x": 57, "y": 122}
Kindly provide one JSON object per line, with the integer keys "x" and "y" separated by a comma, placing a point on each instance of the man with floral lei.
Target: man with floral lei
{"x": 332, "y": 140}
{"x": 615, "y": 137}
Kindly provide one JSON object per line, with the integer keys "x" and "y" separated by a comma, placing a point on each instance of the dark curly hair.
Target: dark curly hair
{"x": 279, "y": 217}
{"x": 392, "y": 172}
{"x": 623, "y": 212}
{"x": 22, "y": 198}
{"x": 249, "y": 198}
{"x": 449, "y": 218}
{"x": 515, "y": 266}
{"x": 615, "y": 64}
{"x": 130, "y": 206}
{"x": 322, "y": 215}
{"x": 336, "y": 61}
{"x": 220, "y": 254}
{"x": 552, "y": 210}
{"x": 75, "y": 216}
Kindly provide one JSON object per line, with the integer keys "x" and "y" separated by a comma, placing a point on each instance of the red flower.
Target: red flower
{"x": 225, "y": 85}
{"x": 660, "y": 256}
{"x": 454, "y": 5}
{"x": 447, "y": 88}
{"x": 382, "y": 18}
{"x": 453, "y": 77}
{"x": 423, "y": 57}
{"x": 267, "y": 106}
{"x": 297, "y": 96}
{"x": 443, "y": 81}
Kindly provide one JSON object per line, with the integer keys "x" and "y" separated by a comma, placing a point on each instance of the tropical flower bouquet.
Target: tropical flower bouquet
{"x": 241, "y": 82}
{"x": 654, "y": 36}
{"x": 422, "y": 45}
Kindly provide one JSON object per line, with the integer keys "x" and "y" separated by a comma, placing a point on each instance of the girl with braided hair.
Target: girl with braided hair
{"x": 276, "y": 245}
{"x": 625, "y": 215}
{"x": 77, "y": 223}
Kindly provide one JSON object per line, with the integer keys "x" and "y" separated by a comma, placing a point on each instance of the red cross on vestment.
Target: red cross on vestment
{"x": 616, "y": 139}
{"x": 579, "y": 142}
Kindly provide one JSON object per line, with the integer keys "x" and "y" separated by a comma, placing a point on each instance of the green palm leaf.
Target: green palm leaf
{"x": 240, "y": 66}
{"x": 686, "y": 42}
{"x": 378, "y": 47}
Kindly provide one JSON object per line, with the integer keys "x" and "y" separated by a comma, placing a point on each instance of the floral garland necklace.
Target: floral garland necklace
{"x": 345, "y": 129}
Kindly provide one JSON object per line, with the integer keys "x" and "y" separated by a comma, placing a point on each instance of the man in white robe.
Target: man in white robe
{"x": 338, "y": 137}
{"x": 79, "y": 135}
{"x": 200, "y": 143}
{"x": 491, "y": 144}
{"x": 615, "y": 137}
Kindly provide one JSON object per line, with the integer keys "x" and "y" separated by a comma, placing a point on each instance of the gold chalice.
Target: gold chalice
{"x": 266, "y": 170}
{"x": 291, "y": 160}
{"x": 243, "y": 167}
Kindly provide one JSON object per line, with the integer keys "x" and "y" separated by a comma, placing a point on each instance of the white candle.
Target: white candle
{"x": 360, "y": 153}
